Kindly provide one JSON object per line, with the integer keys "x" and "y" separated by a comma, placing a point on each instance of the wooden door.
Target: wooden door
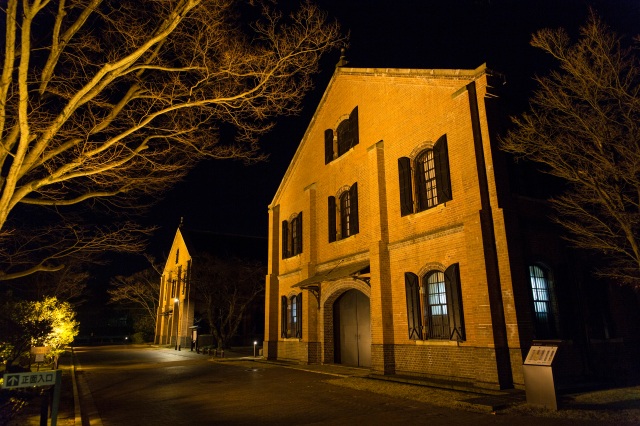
{"x": 353, "y": 327}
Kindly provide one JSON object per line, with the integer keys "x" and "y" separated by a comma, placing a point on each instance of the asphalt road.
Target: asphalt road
{"x": 121, "y": 385}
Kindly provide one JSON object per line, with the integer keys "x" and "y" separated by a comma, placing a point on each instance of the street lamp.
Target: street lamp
{"x": 254, "y": 348}
{"x": 177, "y": 319}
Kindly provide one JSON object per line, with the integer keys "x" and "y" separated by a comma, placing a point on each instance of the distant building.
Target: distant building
{"x": 395, "y": 243}
{"x": 180, "y": 318}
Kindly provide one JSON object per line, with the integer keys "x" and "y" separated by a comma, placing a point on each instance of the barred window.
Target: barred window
{"x": 438, "y": 317}
{"x": 427, "y": 190}
{"x": 343, "y": 217}
{"x": 427, "y": 182}
{"x": 542, "y": 298}
{"x": 434, "y": 311}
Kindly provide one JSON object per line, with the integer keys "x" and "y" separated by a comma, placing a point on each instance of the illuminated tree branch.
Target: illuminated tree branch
{"x": 110, "y": 102}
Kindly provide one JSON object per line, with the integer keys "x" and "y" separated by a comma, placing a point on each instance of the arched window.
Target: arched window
{"x": 343, "y": 217}
{"x": 542, "y": 297}
{"x": 296, "y": 235}
{"x": 427, "y": 180}
{"x": 427, "y": 189}
{"x": 291, "y": 316}
{"x": 441, "y": 316}
{"x": 346, "y": 137}
{"x": 436, "y": 298}
{"x": 345, "y": 214}
{"x": 292, "y": 236}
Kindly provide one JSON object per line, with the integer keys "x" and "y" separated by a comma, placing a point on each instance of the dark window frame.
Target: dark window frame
{"x": 296, "y": 235}
{"x": 435, "y": 315}
{"x": 425, "y": 182}
{"x": 414, "y": 317}
{"x": 436, "y": 307}
{"x": 292, "y": 236}
{"x": 343, "y": 216}
{"x": 291, "y": 316}
{"x": 343, "y": 139}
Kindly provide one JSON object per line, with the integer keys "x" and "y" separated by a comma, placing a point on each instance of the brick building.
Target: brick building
{"x": 395, "y": 242}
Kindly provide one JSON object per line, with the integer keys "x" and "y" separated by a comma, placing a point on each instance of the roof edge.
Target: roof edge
{"x": 466, "y": 74}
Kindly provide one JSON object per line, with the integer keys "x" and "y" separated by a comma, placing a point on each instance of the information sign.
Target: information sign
{"x": 40, "y": 352}
{"x": 541, "y": 355}
{"x": 23, "y": 380}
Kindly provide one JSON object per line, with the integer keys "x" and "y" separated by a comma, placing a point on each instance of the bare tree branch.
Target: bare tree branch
{"x": 226, "y": 288}
{"x": 140, "y": 290}
{"x": 108, "y": 103}
{"x": 584, "y": 127}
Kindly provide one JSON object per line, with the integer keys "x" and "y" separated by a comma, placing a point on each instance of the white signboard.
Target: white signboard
{"x": 24, "y": 380}
{"x": 541, "y": 355}
{"x": 40, "y": 350}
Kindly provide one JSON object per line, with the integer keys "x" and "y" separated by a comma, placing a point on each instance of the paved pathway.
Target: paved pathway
{"x": 405, "y": 399}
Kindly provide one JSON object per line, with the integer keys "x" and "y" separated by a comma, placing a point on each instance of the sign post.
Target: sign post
{"x": 37, "y": 378}
{"x": 538, "y": 375}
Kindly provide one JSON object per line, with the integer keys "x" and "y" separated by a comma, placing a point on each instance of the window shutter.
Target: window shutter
{"x": 354, "y": 137}
{"x": 454, "y": 302}
{"x": 332, "y": 219}
{"x": 414, "y": 319}
{"x": 443, "y": 177}
{"x": 299, "y": 315}
{"x": 328, "y": 146}
{"x": 353, "y": 194}
{"x": 285, "y": 239}
{"x": 283, "y": 316}
{"x": 406, "y": 195}
{"x": 299, "y": 233}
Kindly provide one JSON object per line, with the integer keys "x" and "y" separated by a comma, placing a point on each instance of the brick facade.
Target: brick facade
{"x": 491, "y": 238}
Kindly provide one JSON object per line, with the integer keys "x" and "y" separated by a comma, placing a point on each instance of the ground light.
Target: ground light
{"x": 254, "y": 348}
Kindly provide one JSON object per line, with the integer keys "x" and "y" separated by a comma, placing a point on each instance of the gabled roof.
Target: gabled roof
{"x": 426, "y": 74}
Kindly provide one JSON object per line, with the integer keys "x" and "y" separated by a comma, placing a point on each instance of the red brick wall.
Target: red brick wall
{"x": 400, "y": 112}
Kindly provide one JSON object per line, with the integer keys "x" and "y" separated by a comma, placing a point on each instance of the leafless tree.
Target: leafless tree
{"x": 106, "y": 103}
{"x": 66, "y": 285}
{"x": 584, "y": 127}
{"x": 226, "y": 288}
{"x": 139, "y": 292}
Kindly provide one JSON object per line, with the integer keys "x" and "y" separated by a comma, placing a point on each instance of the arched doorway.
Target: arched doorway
{"x": 352, "y": 328}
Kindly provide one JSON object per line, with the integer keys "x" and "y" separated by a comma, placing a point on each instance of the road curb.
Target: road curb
{"x": 85, "y": 399}
{"x": 76, "y": 397}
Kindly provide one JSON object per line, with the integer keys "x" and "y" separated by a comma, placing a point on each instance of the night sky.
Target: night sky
{"x": 229, "y": 197}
